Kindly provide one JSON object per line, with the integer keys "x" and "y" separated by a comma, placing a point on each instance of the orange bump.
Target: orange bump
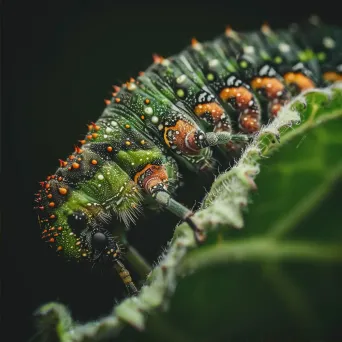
{"x": 75, "y": 165}
{"x": 51, "y": 204}
{"x": 94, "y": 162}
{"x": 157, "y": 59}
{"x": 107, "y": 102}
{"x": 62, "y": 191}
{"x": 228, "y": 30}
{"x": 59, "y": 248}
{"x": 194, "y": 41}
{"x": 117, "y": 100}
{"x": 95, "y": 135}
{"x": 109, "y": 148}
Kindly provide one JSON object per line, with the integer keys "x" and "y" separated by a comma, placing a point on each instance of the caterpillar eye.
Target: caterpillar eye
{"x": 99, "y": 241}
{"x": 78, "y": 221}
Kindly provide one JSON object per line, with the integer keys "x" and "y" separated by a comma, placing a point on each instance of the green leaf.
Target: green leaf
{"x": 271, "y": 268}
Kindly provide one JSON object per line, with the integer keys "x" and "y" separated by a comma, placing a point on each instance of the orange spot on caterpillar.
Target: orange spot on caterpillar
{"x": 300, "y": 80}
{"x": 51, "y": 204}
{"x": 332, "y": 76}
{"x": 94, "y": 162}
{"x": 62, "y": 191}
{"x": 228, "y": 30}
{"x": 157, "y": 59}
{"x": 107, "y": 102}
{"x": 116, "y": 88}
{"x": 265, "y": 28}
{"x": 95, "y": 135}
{"x": 109, "y": 148}
{"x": 75, "y": 165}
{"x": 117, "y": 100}
{"x": 127, "y": 126}
{"x": 194, "y": 42}
{"x": 59, "y": 228}
{"x": 147, "y": 101}
{"x": 49, "y": 196}
{"x": 127, "y": 143}
{"x": 52, "y": 240}
{"x": 78, "y": 150}
{"x": 59, "y": 248}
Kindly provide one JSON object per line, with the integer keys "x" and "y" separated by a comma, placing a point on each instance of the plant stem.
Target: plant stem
{"x": 261, "y": 249}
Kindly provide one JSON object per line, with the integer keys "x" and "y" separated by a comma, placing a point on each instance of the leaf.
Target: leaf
{"x": 278, "y": 278}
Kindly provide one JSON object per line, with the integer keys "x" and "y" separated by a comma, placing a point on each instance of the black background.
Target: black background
{"x": 59, "y": 60}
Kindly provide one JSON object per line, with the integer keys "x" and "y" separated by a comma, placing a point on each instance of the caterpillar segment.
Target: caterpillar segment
{"x": 323, "y": 44}
{"x": 192, "y": 92}
{"x": 213, "y": 95}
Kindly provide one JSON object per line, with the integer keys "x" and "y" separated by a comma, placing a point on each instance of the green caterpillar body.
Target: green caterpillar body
{"x": 212, "y": 95}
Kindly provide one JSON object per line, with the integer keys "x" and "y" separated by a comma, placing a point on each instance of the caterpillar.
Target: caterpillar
{"x": 210, "y": 98}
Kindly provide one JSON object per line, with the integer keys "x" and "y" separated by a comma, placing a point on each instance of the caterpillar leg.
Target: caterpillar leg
{"x": 187, "y": 138}
{"x": 154, "y": 179}
{"x": 165, "y": 199}
{"x": 126, "y": 278}
{"x": 223, "y": 137}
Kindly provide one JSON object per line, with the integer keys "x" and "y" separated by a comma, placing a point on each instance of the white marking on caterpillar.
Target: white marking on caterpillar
{"x": 329, "y": 43}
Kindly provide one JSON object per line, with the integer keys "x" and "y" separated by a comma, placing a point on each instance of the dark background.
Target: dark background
{"x": 59, "y": 60}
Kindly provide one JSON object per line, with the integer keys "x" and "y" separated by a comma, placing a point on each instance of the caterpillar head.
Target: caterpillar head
{"x": 75, "y": 216}
{"x": 75, "y": 230}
